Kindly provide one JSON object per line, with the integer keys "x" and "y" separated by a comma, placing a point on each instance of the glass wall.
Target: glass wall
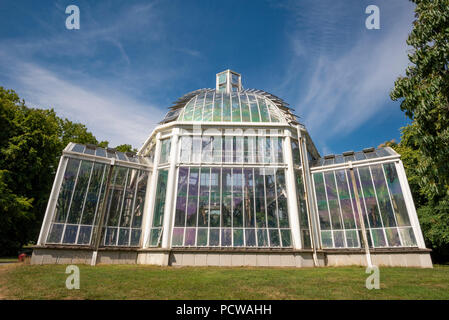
{"x": 159, "y": 207}
{"x": 231, "y": 149}
{"x": 81, "y": 201}
{"x": 126, "y": 199}
{"x": 234, "y": 107}
{"x": 383, "y": 208}
{"x": 231, "y": 207}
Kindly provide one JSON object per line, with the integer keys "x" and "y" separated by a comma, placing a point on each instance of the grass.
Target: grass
{"x": 18, "y": 281}
{"x": 8, "y": 259}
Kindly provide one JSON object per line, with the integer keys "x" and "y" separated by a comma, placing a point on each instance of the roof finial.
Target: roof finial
{"x": 228, "y": 81}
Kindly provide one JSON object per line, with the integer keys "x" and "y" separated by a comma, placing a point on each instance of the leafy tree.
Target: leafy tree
{"x": 424, "y": 92}
{"x": 125, "y": 148}
{"x": 31, "y": 143}
{"x": 424, "y": 96}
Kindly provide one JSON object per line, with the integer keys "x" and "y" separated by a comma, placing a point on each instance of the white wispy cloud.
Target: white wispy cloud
{"x": 109, "y": 114}
{"x": 342, "y": 89}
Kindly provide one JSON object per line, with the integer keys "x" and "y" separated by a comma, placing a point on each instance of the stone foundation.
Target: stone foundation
{"x": 226, "y": 258}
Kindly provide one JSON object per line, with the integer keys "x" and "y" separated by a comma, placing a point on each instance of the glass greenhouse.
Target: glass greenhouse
{"x": 230, "y": 177}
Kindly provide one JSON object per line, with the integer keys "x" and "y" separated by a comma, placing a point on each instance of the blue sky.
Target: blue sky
{"x": 130, "y": 60}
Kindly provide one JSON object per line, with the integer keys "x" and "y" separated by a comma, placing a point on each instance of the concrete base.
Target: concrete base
{"x": 251, "y": 257}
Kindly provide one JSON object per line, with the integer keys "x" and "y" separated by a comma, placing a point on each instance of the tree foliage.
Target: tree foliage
{"x": 424, "y": 145}
{"x": 31, "y": 143}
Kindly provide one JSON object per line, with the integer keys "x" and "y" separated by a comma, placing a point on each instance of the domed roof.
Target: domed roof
{"x": 231, "y": 105}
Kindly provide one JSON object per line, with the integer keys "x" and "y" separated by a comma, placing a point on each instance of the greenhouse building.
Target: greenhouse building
{"x": 230, "y": 178}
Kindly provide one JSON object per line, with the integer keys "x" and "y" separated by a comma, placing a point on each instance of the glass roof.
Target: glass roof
{"x": 107, "y": 153}
{"x": 369, "y": 153}
{"x": 235, "y": 107}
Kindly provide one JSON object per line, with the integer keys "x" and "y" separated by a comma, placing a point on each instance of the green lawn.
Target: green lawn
{"x": 150, "y": 282}
{"x": 8, "y": 259}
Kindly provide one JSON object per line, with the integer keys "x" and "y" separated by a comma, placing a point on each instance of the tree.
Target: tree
{"x": 125, "y": 148}
{"x": 425, "y": 93}
{"x": 31, "y": 143}
{"x": 424, "y": 96}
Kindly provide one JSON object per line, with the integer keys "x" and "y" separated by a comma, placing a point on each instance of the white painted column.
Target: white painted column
{"x": 51, "y": 206}
{"x": 170, "y": 194}
{"x": 409, "y": 203}
{"x": 292, "y": 202}
{"x": 151, "y": 195}
{"x": 309, "y": 196}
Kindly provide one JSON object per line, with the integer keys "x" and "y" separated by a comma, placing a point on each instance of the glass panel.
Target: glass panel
{"x": 370, "y": 197}
{"x": 260, "y": 198}
{"x": 208, "y": 108}
{"x": 274, "y": 238}
{"x": 93, "y": 195}
{"x": 393, "y": 237}
{"x": 286, "y": 238}
{"x": 351, "y": 239}
{"x": 378, "y": 237}
{"x": 254, "y": 108}
{"x": 262, "y": 238}
{"x": 123, "y": 238}
{"x": 320, "y": 193}
{"x": 111, "y": 236}
{"x": 282, "y": 198}
{"x": 84, "y": 235}
{"x": 116, "y": 194}
{"x": 345, "y": 199}
{"x": 245, "y": 108}
{"x": 236, "y": 117}
{"x": 295, "y": 151}
{"x": 203, "y": 203}
{"x": 397, "y": 197}
{"x": 140, "y": 200}
{"x": 135, "y": 237}
{"x": 218, "y": 108}
{"x": 192, "y": 203}
{"x": 181, "y": 200}
{"x": 228, "y": 149}
{"x": 238, "y": 147}
{"x": 216, "y": 148}
{"x": 202, "y": 237}
{"x": 238, "y": 237}
{"x": 196, "y": 150}
{"x": 214, "y": 237}
{"x": 332, "y": 199}
{"x": 339, "y": 241}
{"x": 54, "y": 236}
{"x": 383, "y": 197}
{"x": 263, "y": 110}
{"x": 70, "y": 234}
{"x": 198, "y": 113}
{"x": 165, "y": 151}
{"x": 226, "y": 237}
{"x": 207, "y": 149}
{"x": 250, "y": 237}
{"x": 408, "y": 237}
{"x": 237, "y": 197}
{"x": 326, "y": 239}
{"x": 79, "y": 194}
{"x": 226, "y": 206}
{"x": 186, "y": 149}
{"x": 215, "y": 197}
{"x": 188, "y": 110}
{"x": 159, "y": 206}
{"x": 226, "y": 107}
{"x": 248, "y": 194}
{"x": 65, "y": 193}
{"x": 178, "y": 237}
{"x": 190, "y": 237}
